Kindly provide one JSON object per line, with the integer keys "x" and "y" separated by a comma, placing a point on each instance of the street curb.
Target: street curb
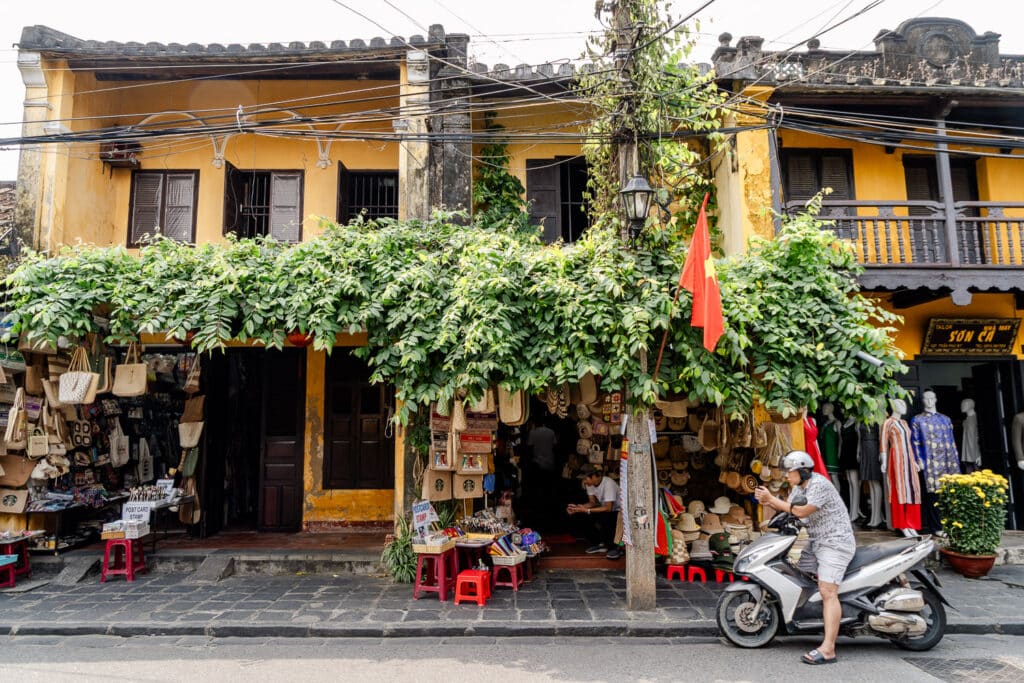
{"x": 388, "y": 630}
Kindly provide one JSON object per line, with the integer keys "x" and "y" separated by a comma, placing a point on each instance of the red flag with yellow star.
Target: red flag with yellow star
{"x": 698, "y": 277}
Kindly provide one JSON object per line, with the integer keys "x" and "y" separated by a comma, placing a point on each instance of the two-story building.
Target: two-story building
{"x": 919, "y": 141}
{"x": 206, "y": 141}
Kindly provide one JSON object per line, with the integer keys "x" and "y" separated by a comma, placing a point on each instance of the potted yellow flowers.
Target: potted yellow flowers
{"x": 973, "y": 510}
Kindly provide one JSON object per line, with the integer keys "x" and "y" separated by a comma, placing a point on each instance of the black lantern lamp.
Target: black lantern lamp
{"x": 636, "y": 200}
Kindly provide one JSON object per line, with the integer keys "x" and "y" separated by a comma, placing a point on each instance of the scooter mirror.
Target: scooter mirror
{"x": 799, "y": 499}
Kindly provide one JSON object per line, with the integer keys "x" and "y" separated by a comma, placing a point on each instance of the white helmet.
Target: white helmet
{"x": 797, "y": 460}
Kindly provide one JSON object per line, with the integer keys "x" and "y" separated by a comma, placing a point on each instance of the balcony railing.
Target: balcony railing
{"x": 913, "y": 233}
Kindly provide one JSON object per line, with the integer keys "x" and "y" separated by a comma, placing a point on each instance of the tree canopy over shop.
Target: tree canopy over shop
{"x": 449, "y": 307}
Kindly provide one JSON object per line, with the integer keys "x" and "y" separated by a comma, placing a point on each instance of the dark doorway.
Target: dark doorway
{"x": 993, "y": 386}
{"x": 256, "y": 421}
{"x": 359, "y": 441}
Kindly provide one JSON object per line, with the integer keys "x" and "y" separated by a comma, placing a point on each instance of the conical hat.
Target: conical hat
{"x": 588, "y": 388}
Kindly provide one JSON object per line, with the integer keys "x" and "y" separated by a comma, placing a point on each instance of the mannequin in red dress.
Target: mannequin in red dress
{"x": 811, "y": 445}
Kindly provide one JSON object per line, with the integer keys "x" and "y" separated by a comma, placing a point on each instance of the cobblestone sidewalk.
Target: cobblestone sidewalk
{"x": 555, "y": 603}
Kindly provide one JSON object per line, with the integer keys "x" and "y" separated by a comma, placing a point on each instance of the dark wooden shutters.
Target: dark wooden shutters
{"x": 164, "y": 200}
{"x": 286, "y": 206}
{"x": 807, "y": 171}
{"x": 543, "y": 193}
{"x": 359, "y": 447}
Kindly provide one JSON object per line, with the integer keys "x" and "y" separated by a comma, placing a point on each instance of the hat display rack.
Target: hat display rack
{"x": 711, "y": 465}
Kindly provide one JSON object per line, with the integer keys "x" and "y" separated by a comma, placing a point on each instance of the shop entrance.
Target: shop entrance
{"x": 255, "y": 413}
{"x": 995, "y": 387}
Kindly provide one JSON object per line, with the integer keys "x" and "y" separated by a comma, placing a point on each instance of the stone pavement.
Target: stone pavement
{"x": 556, "y": 603}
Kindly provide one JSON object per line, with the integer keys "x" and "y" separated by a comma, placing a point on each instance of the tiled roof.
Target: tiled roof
{"x": 46, "y": 39}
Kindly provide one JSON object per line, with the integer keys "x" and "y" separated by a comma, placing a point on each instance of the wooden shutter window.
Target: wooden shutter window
{"x": 835, "y": 173}
{"x": 542, "y": 192}
{"x": 285, "y": 206}
{"x": 179, "y": 211}
{"x": 146, "y": 205}
{"x": 801, "y": 176}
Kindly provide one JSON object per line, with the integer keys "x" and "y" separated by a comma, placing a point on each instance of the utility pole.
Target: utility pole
{"x": 641, "y": 515}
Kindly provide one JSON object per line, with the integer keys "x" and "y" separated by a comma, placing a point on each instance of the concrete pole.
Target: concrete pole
{"x": 641, "y": 515}
{"x": 29, "y": 193}
{"x": 414, "y": 155}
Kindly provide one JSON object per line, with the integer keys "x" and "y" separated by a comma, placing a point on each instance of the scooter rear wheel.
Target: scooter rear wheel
{"x": 935, "y": 615}
{"x": 739, "y": 624}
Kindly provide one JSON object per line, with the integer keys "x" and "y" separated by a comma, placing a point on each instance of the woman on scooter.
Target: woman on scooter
{"x": 831, "y": 545}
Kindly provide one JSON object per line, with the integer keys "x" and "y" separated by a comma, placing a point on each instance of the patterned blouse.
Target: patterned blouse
{"x": 934, "y": 445}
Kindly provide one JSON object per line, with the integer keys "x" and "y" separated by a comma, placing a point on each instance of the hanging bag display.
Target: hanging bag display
{"x": 193, "y": 411}
{"x": 38, "y": 445}
{"x": 16, "y": 470}
{"x": 17, "y": 422}
{"x": 34, "y": 379}
{"x": 101, "y": 363}
{"x": 78, "y": 384}
{"x": 189, "y": 433}
{"x": 130, "y": 376}
{"x": 120, "y": 445}
{"x": 145, "y": 465}
{"x": 192, "y": 380}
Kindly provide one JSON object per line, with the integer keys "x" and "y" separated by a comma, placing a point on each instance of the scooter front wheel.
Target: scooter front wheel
{"x": 741, "y": 624}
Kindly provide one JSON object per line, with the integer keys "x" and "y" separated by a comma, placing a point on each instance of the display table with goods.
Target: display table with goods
{"x": 16, "y": 543}
{"x": 84, "y": 426}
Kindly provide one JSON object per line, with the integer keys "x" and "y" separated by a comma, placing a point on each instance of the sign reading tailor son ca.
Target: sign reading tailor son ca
{"x": 970, "y": 336}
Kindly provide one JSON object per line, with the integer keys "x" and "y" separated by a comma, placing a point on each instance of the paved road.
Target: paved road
{"x": 194, "y": 658}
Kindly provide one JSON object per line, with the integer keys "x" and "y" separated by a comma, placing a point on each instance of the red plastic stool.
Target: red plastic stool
{"x": 694, "y": 572}
{"x": 515, "y": 576}
{"x": 721, "y": 574}
{"x": 479, "y": 580}
{"x": 19, "y": 548}
{"x": 676, "y": 571}
{"x": 440, "y": 569}
{"x": 8, "y": 570}
{"x": 124, "y": 563}
{"x": 530, "y": 567}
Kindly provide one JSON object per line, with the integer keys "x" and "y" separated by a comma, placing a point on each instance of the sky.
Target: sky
{"x": 522, "y": 31}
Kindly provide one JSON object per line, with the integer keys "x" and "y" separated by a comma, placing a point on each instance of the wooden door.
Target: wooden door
{"x": 281, "y": 457}
{"x": 359, "y": 446}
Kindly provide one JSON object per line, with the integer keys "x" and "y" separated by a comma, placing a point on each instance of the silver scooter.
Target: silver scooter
{"x": 877, "y": 597}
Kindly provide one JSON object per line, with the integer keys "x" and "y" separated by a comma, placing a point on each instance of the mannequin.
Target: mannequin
{"x": 849, "y": 454}
{"x": 811, "y": 444}
{"x": 1017, "y": 438}
{"x": 871, "y": 472}
{"x": 931, "y": 434}
{"x": 828, "y": 442}
{"x": 970, "y": 451}
{"x": 901, "y": 468}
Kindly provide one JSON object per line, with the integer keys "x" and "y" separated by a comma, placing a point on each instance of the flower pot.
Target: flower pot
{"x": 299, "y": 339}
{"x": 970, "y": 566}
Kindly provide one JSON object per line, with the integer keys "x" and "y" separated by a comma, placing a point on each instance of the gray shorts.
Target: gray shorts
{"x": 828, "y": 562}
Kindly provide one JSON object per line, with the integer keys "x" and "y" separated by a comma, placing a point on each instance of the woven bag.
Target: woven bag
{"x": 130, "y": 376}
{"x": 78, "y": 384}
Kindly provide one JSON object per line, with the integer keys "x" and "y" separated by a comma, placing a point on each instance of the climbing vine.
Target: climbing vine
{"x": 449, "y": 307}
{"x": 497, "y": 192}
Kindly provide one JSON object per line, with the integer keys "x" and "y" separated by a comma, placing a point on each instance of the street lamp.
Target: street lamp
{"x": 636, "y": 200}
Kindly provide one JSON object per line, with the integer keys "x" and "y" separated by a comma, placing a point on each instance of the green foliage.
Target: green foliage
{"x": 398, "y": 558}
{"x": 674, "y": 115}
{"x": 497, "y": 193}
{"x": 449, "y": 307}
{"x": 973, "y": 509}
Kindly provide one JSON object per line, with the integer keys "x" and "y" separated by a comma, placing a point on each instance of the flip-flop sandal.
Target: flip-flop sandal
{"x": 814, "y": 658}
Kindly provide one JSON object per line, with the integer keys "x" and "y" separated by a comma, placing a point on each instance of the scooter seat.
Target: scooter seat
{"x": 866, "y": 554}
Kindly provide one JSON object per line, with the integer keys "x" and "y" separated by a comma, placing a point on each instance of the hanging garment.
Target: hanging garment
{"x": 902, "y": 469}
{"x": 934, "y": 446}
{"x": 870, "y": 466}
{"x": 828, "y": 441}
{"x": 971, "y": 451}
{"x": 849, "y": 447}
{"x": 811, "y": 444}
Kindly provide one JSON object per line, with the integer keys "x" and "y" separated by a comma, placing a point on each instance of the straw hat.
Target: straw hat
{"x": 584, "y": 429}
{"x": 765, "y": 474}
{"x": 695, "y": 508}
{"x": 588, "y": 388}
{"x": 734, "y": 516}
{"x": 740, "y": 531}
{"x": 748, "y": 484}
{"x": 686, "y": 522}
{"x": 677, "y": 424}
{"x": 583, "y": 447}
{"x": 722, "y": 505}
{"x": 711, "y": 524}
{"x": 733, "y": 479}
{"x": 691, "y": 444}
{"x": 680, "y": 478}
{"x": 664, "y": 476}
{"x": 582, "y": 411}
{"x": 673, "y": 407}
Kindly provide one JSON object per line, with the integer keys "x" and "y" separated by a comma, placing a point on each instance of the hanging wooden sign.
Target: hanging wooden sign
{"x": 970, "y": 336}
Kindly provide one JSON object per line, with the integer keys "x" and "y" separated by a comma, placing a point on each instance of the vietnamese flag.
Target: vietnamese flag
{"x": 698, "y": 277}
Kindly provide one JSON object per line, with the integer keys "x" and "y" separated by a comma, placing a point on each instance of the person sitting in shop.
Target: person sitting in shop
{"x": 601, "y": 511}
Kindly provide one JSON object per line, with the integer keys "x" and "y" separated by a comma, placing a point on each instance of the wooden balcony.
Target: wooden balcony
{"x": 907, "y": 244}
